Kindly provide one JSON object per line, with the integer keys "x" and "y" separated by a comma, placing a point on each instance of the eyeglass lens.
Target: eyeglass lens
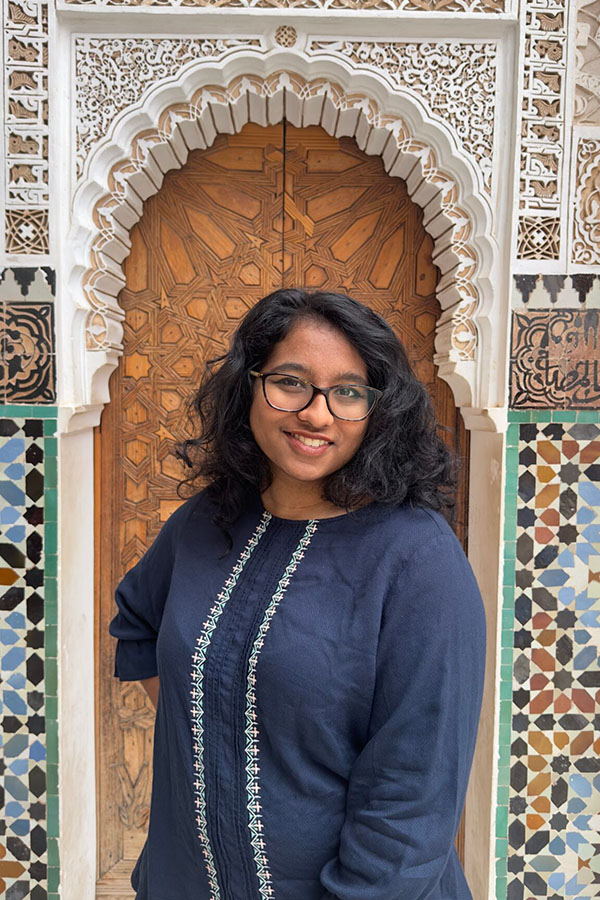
{"x": 349, "y": 401}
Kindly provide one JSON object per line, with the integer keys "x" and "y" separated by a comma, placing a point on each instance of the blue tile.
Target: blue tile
{"x": 14, "y": 702}
{"x": 37, "y": 751}
{"x": 14, "y": 809}
{"x": 13, "y": 658}
{"x": 9, "y": 515}
{"x": 8, "y": 636}
{"x": 11, "y": 493}
{"x": 12, "y": 449}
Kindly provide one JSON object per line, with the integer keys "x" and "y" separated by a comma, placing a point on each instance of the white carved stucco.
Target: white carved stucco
{"x": 154, "y": 133}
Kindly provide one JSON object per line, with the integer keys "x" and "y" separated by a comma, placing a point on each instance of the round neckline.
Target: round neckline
{"x": 322, "y": 520}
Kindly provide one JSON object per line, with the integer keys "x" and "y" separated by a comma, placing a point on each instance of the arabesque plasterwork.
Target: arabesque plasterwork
{"x": 193, "y": 123}
{"x": 430, "y": 6}
{"x": 103, "y": 91}
{"x": 456, "y": 79}
{"x": 587, "y": 69}
{"x": 542, "y": 129}
{"x": 585, "y": 246}
{"x": 27, "y": 199}
{"x": 467, "y": 72}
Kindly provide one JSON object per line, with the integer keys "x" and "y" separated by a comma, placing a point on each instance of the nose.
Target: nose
{"x": 316, "y": 414}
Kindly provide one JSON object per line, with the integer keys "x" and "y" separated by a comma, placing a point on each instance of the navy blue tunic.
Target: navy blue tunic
{"x": 320, "y": 689}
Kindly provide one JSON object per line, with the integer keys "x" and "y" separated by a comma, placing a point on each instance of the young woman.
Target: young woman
{"x": 314, "y": 625}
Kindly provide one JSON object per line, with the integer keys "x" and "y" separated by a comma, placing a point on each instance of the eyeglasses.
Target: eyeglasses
{"x": 288, "y": 393}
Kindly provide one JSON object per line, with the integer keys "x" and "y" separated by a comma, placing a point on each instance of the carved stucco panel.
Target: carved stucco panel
{"x": 585, "y": 247}
{"x": 542, "y": 128}
{"x": 587, "y": 75}
{"x": 457, "y": 81}
{"x": 430, "y": 6}
{"x": 111, "y": 74}
{"x": 25, "y": 51}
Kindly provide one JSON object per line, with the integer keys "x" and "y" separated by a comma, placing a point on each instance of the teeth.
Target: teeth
{"x": 310, "y": 442}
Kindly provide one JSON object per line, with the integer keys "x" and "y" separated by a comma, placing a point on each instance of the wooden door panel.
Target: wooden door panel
{"x": 220, "y": 234}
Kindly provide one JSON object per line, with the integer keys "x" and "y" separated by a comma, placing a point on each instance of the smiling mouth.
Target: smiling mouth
{"x": 308, "y": 442}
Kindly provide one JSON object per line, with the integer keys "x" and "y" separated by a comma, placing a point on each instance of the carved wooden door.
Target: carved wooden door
{"x": 266, "y": 208}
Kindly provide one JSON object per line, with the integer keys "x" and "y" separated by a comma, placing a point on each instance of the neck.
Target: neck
{"x": 297, "y": 500}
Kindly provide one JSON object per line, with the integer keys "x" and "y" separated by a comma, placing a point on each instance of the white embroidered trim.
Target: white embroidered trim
{"x": 252, "y": 750}
{"x": 197, "y": 694}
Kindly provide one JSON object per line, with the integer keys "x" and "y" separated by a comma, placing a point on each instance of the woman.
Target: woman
{"x": 315, "y": 627}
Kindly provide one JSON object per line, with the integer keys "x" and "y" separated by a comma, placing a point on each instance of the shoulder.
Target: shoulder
{"x": 432, "y": 572}
{"x": 407, "y": 531}
{"x": 191, "y": 513}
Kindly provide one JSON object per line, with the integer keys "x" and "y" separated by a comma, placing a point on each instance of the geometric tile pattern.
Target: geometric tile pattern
{"x": 27, "y": 358}
{"x": 27, "y": 347}
{"x": 555, "y": 359}
{"x": 556, "y": 291}
{"x": 549, "y": 785}
{"x": 28, "y": 645}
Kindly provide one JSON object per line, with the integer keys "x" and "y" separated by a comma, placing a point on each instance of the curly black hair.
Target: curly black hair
{"x": 402, "y": 458}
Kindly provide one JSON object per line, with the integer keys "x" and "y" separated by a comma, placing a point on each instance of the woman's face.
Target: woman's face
{"x": 317, "y": 352}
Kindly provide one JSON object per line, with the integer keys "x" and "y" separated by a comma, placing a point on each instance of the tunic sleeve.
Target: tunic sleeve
{"x": 407, "y": 786}
{"x": 140, "y": 597}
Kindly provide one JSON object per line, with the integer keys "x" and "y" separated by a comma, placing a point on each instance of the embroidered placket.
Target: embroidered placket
{"x": 197, "y": 708}
{"x": 252, "y": 746}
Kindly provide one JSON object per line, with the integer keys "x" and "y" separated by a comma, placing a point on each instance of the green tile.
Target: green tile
{"x": 511, "y": 483}
{"x": 50, "y": 567}
{"x": 52, "y": 741}
{"x": 501, "y": 848}
{"x": 512, "y": 436}
{"x": 588, "y": 416}
{"x": 506, "y": 672}
{"x": 508, "y": 618}
{"x": 50, "y": 680}
{"x": 505, "y": 690}
{"x": 50, "y": 426}
{"x": 541, "y": 415}
{"x": 50, "y": 506}
{"x": 50, "y": 590}
{"x": 502, "y": 794}
{"x": 50, "y": 472}
{"x": 52, "y": 779}
{"x": 504, "y": 756}
{"x": 509, "y": 571}
{"x": 501, "y": 822}
{"x": 53, "y": 874}
{"x": 504, "y": 733}
{"x": 510, "y": 550}
{"x": 519, "y": 415}
{"x": 53, "y": 896}
{"x": 50, "y": 447}
{"x": 501, "y": 867}
{"x": 53, "y": 856}
{"x": 501, "y": 887}
{"x": 52, "y": 706}
{"x": 505, "y": 710}
{"x": 51, "y": 640}
{"x": 52, "y": 822}
{"x": 50, "y": 617}
{"x": 564, "y": 415}
{"x": 50, "y": 545}
{"x": 508, "y": 596}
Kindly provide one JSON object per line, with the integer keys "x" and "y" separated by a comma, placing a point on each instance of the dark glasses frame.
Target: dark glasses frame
{"x": 317, "y": 390}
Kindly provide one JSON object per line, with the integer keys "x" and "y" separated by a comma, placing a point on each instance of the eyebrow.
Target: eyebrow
{"x": 298, "y": 367}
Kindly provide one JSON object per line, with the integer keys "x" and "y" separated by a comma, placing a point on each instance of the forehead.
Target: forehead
{"x": 319, "y": 350}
